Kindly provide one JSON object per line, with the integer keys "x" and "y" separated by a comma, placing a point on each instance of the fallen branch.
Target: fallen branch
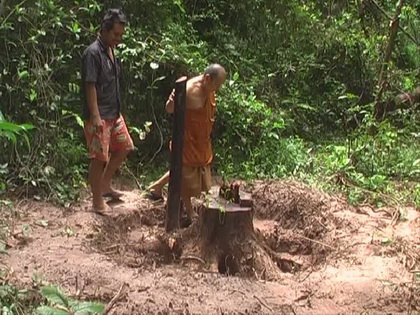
{"x": 143, "y": 289}
{"x": 233, "y": 291}
{"x": 316, "y": 242}
{"x": 133, "y": 176}
{"x": 262, "y": 303}
{"x": 115, "y": 298}
{"x": 193, "y": 258}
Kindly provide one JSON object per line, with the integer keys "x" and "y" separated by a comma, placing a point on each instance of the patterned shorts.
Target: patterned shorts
{"x": 113, "y": 136}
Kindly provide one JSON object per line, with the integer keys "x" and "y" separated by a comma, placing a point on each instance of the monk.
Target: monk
{"x": 197, "y": 154}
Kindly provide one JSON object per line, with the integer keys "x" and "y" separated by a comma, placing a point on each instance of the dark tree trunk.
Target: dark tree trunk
{"x": 382, "y": 82}
{"x": 175, "y": 179}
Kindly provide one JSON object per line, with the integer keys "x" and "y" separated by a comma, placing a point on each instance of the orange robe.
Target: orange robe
{"x": 198, "y": 127}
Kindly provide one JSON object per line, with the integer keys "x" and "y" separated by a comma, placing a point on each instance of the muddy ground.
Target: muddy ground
{"x": 336, "y": 259}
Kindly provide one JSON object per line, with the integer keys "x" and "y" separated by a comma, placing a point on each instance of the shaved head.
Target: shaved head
{"x": 216, "y": 72}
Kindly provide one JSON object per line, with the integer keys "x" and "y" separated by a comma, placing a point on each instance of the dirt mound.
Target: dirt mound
{"x": 305, "y": 220}
{"x": 292, "y": 203}
{"x": 136, "y": 239}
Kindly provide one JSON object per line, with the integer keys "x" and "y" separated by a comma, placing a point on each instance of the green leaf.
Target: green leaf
{"x": 69, "y": 232}
{"x": 86, "y": 308}
{"x": 147, "y": 125}
{"x": 23, "y": 74}
{"x": 10, "y": 127}
{"x": 27, "y": 126}
{"x": 9, "y": 135}
{"x": 76, "y": 116}
{"x": 54, "y": 294}
{"x": 49, "y": 170}
{"x": 142, "y": 135}
{"x": 386, "y": 241}
{"x": 306, "y": 106}
{"x": 33, "y": 95}
{"x": 46, "y": 310}
{"x": 178, "y": 3}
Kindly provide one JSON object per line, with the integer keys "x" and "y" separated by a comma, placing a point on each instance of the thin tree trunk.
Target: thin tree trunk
{"x": 2, "y": 6}
{"x": 388, "y": 53}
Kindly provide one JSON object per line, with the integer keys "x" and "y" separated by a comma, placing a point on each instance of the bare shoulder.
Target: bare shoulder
{"x": 193, "y": 85}
{"x": 194, "y": 93}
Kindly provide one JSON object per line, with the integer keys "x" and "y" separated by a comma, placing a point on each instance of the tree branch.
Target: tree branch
{"x": 399, "y": 26}
{"x": 391, "y": 42}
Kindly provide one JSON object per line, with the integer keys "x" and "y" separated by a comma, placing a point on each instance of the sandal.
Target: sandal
{"x": 185, "y": 222}
{"x": 151, "y": 196}
{"x": 112, "y": 195}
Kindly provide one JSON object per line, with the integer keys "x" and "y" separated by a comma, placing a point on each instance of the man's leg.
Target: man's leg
{"x": 191, "y": 187}
{"x": 120, "y": 145}
{"x": 157, "y": 187}
{"x": 188, "y": 207}
{"x": 95, "y": 178}
{"x": 98, "y": 146}
{"x": 116, "y": 160}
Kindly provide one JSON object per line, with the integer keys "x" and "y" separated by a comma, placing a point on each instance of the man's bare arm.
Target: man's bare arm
{"x": 170, "y": 103}
{"x": 92, "y": 102}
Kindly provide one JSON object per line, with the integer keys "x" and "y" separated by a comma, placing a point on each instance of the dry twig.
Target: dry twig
{"x": 316, "y": 242}
{"x": 115, "y": 298}
{"x": 193, "y": 258}
{"x": 262, "y": 303}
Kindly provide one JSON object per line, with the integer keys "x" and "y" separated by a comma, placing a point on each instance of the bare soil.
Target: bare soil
{"x": 331, "y": 258}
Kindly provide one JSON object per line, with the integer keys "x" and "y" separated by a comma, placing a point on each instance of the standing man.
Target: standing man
{"x": 199, "y": 119}
{"x": 105, "y": 129}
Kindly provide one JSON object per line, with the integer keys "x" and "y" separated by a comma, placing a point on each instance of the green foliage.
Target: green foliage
{"x": 11, "y": 300}
{"x": 14, "y": 301}
{"x": 60, "y": 304}
{"x": 11, "y": 131}
{"x": 298, "y": 99}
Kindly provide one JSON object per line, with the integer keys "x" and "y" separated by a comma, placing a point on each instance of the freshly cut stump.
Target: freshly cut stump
{"x": 226, "y": 237}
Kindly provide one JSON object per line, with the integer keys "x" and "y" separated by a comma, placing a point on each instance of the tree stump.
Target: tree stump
{"x": 227, "y": 238}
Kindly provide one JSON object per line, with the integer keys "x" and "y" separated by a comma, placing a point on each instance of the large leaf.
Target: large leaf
{"x": 87, "y": 308}
{"x": 10, "y": 130}
{"x": 27, "y": 126}
{"x": 9, "y": 135}
{"x": 54, "y": 295}
{"x": 79, "y": 119}
{"x": 14, "y": 128}
{"x": 6, "y": 126}
{"x": 46, "y": 310}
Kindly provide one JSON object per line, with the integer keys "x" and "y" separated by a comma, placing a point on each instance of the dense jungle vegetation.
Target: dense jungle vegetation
{"x": 320, "y": 91}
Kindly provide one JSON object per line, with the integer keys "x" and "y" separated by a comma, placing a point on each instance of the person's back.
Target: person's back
{"x": 199, "y": 119}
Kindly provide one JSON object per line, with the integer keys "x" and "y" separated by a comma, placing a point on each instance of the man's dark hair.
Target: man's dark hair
{"x": 113, "y": 16}
{"x": 214, "y": 71}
